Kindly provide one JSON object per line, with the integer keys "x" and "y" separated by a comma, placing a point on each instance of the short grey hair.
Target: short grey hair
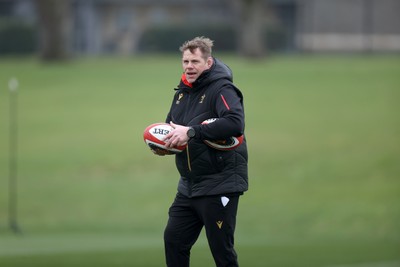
{"x": 204, "y": 44}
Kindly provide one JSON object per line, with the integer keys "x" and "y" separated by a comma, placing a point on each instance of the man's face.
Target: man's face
{"x": 194, "y": 64}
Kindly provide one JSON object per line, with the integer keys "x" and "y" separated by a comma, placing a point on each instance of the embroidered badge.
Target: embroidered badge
{"x": 202, "y": 98}
{"x": 179, "y": 98}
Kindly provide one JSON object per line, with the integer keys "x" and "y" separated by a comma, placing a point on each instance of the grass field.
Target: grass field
{"x": 324, "y": 146}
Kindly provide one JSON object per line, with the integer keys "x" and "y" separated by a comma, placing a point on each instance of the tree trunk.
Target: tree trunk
{"x": 53, "y": 18}
{"x": 250, "y": 27}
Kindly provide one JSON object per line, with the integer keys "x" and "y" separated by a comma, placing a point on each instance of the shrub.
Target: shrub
{"x": 17, "y": 37}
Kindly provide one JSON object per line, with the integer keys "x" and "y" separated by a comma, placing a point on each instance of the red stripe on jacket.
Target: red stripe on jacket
{"x": 226, "y": 104}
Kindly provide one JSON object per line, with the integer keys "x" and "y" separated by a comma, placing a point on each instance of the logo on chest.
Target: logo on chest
{"x": 202, "y": 98}
{"x": 179, "y": 98}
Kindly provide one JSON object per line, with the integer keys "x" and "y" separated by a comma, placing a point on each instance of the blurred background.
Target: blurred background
{"x": 98, "y": 27}
{"x": 81, "y": 79}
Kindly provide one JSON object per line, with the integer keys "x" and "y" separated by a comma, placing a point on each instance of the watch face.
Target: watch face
{"x": 190, "y": 133}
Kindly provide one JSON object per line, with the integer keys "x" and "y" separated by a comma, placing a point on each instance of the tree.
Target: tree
{"x": 53, "y": 19}
{"x": 250, "y": 30}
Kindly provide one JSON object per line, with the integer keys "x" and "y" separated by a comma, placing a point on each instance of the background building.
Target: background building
{"x": 134, "y": 26}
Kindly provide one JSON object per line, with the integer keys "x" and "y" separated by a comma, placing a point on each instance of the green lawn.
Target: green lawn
{"x": 324, "y": 146}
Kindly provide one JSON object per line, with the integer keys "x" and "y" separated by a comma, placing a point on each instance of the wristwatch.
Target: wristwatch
{"x": 191, "y": 132}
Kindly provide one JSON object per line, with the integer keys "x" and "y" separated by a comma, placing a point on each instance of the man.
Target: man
{"x": 211, "y": 180}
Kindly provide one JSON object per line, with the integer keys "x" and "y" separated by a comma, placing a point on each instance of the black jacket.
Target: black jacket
{"x": 204, "y": 170}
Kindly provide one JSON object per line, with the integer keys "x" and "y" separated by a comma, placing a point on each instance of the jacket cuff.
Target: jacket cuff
{"x": 197, "y": 130}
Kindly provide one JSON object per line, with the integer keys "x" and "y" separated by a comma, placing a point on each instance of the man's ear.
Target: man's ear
{"x": 210, "y": 62}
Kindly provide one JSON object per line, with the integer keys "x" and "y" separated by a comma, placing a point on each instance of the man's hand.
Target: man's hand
{"x": 159, "y": 151}
{"x": 177, "y": 137}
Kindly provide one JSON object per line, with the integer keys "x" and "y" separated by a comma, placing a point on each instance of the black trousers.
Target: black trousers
{"x": 187, "y": 216}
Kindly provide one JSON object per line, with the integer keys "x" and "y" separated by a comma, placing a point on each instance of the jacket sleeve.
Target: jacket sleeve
{"x": 229, "y": 109}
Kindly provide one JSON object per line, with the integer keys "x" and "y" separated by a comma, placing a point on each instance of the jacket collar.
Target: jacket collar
{"x": 185, "y": 81}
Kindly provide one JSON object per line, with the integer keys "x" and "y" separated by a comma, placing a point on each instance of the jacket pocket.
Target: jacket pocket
{"x": 219, "y": 160}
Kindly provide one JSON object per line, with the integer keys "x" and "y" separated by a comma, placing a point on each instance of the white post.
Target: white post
{"x": 13, "y": 149}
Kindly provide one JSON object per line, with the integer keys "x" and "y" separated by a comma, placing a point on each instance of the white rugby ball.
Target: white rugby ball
{"x": 154, "y": 136}
{"x": 226, "y": 144}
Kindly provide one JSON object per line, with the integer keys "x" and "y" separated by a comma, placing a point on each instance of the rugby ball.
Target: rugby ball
{"x": 154, "y": 136}
{"x": 226, "y": 144}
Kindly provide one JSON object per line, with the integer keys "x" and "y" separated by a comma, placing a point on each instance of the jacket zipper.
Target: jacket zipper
{"x": 190, "y": 170}
{"x": 188, "y": 157}
{"x": 187, "y": 147}
{"x": 187, "y": 106}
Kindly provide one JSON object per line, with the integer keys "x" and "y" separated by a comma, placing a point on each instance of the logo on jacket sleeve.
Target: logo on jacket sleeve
{"x": 219, "y": 224}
